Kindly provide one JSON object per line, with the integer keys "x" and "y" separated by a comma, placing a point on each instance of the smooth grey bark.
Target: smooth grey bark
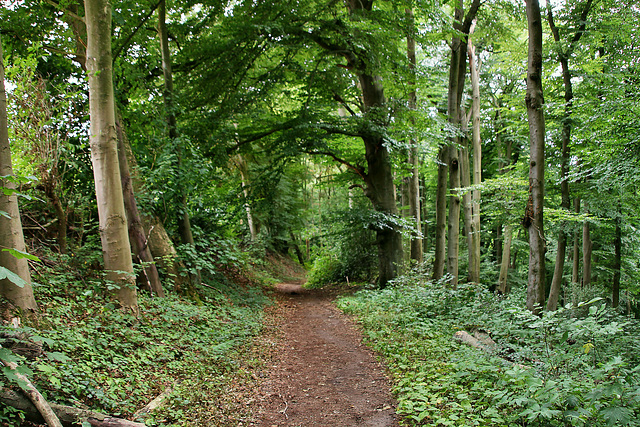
{"x": 11, "y": 236}
{"x": 414, "y": 179}
{"x": 587, "y": 248}
{"x": 474, "y": 246}
{"x": 533, "y": 218}
{"x": 503, "y": 283}
{"x": 563, "y": 57}
{"x": 575, "y": 271}
{"x": 441, "y": 213}
{"x": 104, "y": 154}
{"x": 617, "y": 261}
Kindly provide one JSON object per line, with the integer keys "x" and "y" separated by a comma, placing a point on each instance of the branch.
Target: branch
{"x": 34, "y": 395}
{"x": 583, "y": 25}
{"x": 255, "y": 137}
{"x": 128, "y": 39}
{"x": 344, "y": 103}
{"x": 470, "y": 16}
{"x": 66, "y": 11}
{"x": 357, "y": 169}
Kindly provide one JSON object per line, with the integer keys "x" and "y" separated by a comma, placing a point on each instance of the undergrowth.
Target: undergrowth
{"x": 577, "y": 366}
{"x": 97, "y": 356}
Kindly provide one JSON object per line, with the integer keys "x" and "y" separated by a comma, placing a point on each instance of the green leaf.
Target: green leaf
{"x": 617, "y": 414}
{"x": 20, "y": 255}
{"x": 5, "y": 273}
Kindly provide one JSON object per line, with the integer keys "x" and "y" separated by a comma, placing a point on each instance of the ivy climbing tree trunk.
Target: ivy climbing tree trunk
{"x": 104, "y": 154}
{"x": 18, "y": 295}
{"x": 533, "y": 218}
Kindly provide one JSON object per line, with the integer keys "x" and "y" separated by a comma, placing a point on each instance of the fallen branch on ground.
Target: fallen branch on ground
{"x": 68, "y": 415}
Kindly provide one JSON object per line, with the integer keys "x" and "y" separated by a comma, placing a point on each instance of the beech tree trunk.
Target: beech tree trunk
{"x": 414, "y": 179}
{"x": 465, "y": 182}
{"x": 587, "y": 246}
{"x": 503, "y": 282}
{"x": 474, "y": 247}
{"x": 136, "y": 230}
{"x": 453, "y": 112}
{"x": 104, "y": 154}
{"x": 11, "y": 228}
{"x": 441, "y": 212}
{"x": 243, "y": 168}
{"x": 617, "y": 262}
{"x": 575, "y": 272}
{"x": 533, "y": 219}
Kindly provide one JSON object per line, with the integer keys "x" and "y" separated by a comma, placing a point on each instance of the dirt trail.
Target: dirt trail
{"x": 320, "y": 373}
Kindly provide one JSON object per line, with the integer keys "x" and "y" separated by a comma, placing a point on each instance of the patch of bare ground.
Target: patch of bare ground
{"x": 319, "y": 373}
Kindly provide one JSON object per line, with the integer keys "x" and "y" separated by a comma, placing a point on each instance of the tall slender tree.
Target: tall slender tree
{"x": 17, "y": 291}
{"x": 564, "y": 54}
{"x": 184, "y": 220}
{"x": 533, "y": 218}
{"x": 104, "y": 154}
{"x": 414, "y": 179}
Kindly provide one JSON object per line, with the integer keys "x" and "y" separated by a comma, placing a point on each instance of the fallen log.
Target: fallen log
{"x": 68, "y": 415}
{"x": 36, "y": 398}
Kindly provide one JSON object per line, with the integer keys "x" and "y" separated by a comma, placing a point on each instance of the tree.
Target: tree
{"x": 533, "y": 218}
{"x": 414, "y": 179}
{"x": 563, "y": 56}
{"x": 104, "y": 154}
{"x": 184, "y": 220}
{"x": 15, "y": 280}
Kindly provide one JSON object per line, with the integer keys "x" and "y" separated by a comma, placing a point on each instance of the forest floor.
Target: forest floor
{"x": 318, "y": 371}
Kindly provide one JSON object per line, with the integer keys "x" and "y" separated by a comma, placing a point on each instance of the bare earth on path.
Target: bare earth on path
{"x": 320, "y": 373}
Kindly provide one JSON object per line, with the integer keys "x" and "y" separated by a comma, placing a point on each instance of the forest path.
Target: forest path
{"x": 320, "y": 372}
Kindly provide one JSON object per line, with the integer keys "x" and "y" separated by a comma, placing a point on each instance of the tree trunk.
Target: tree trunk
{"x": 380, "y": 188}
{"x": 453, "y": 113}
{"x": 533, "y": 219}
{"x": 441, "y": 212}
{"x": 414, "y": 179}
{"x": 160, "y": 244}
{"x": 474, "y": 249}
{"x": 184, "y": 221}
{"x": 503, "y": 282}
{"x": 587, "y": 246}
{"x": 575, "y": 272}
{"x": 11, "y": 228}
{"x": 136, "y": 231}
{"x": 241, "y": 164}
{"x": 617, "y": 263}
{"x": 564, "y": 56}
{"x": 104, "y": 154}
{"x": 465, "y": 182}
